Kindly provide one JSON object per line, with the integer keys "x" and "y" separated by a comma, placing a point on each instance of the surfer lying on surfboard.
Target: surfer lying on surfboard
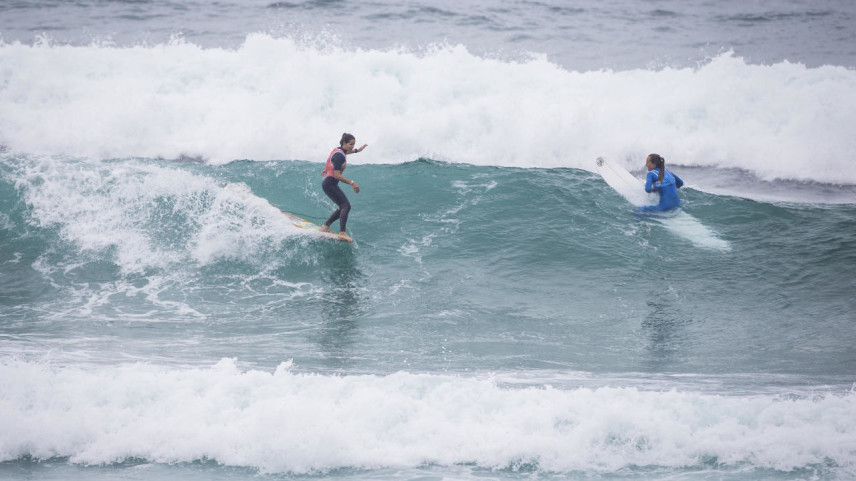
{"x": 663, "y": 182}
{"x": 332, "y": 173}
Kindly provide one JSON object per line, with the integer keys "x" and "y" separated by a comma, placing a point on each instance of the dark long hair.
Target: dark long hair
{"x": 660, "y": 163}
{"x": 346, "y": 137}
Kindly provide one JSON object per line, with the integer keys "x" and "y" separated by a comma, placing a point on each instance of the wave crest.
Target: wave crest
{"x": 276, "y": 98}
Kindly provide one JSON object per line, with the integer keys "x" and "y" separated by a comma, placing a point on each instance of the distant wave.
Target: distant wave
{"x": 274, "y": 98}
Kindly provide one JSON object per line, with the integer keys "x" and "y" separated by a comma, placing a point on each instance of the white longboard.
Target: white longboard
{"x": 624, "y": 183}
{"x": 314, "y": 228}
{"x": 679, "y": 222}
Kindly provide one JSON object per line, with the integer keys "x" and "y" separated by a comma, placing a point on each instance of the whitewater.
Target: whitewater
{"x": 285, "y": 422}
{"x": 273, "y": 98}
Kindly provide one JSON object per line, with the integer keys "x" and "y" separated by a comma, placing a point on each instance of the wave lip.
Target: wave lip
{"x": 300, "y": 423}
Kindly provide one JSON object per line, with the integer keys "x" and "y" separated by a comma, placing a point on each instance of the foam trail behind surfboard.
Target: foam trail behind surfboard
{"x": 693, "y": 230}
{"x": 680, "y": 222}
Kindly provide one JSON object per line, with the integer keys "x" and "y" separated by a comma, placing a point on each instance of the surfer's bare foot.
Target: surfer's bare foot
{"x": 326, "y": 228}
{"x": 345, "y": 236}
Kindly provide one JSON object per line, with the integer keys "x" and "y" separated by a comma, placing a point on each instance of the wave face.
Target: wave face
{"x": 199, "y": 253}
{"x": 274, "y": 98}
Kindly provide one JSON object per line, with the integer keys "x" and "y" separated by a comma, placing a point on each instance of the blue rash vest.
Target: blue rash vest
{"x": 668, "y": 190}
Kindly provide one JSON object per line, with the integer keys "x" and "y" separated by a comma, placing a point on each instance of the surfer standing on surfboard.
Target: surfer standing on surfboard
{"x": 332, "y": 173}
{"x": 663, "y": 182}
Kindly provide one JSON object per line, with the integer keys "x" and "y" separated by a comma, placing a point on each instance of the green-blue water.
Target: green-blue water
{"x": 456, "y": 269}
{"x": 163, "y": 319}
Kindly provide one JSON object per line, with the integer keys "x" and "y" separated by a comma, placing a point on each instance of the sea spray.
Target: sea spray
{"x": 274, "y": 98}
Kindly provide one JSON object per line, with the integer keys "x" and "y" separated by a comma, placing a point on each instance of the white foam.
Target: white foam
{"x": 148, "y": 216}
{"x": 275, "y": 99}
{"x": 286, "y": 422}
{"x": 690, "y": 228}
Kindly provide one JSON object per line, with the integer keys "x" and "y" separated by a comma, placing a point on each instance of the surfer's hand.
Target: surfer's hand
{"x": 356, "y": 187}
{"x": 361, "y": 148}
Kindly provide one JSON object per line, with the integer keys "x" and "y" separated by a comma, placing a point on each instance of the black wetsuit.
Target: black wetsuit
{"x": 335, "y": 193}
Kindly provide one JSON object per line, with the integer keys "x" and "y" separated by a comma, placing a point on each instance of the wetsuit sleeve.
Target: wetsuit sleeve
{"x": 678, "y": 181}
{"x": 338, "y": 161}
{"x": 649, "y": 181}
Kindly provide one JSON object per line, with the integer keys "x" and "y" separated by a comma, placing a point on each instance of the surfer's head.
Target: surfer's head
{"x": 347, "y": 139}
{"x": 656, "y": 161}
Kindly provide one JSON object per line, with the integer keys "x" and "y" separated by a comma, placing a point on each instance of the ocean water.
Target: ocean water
{"x": 502, "y": 314}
